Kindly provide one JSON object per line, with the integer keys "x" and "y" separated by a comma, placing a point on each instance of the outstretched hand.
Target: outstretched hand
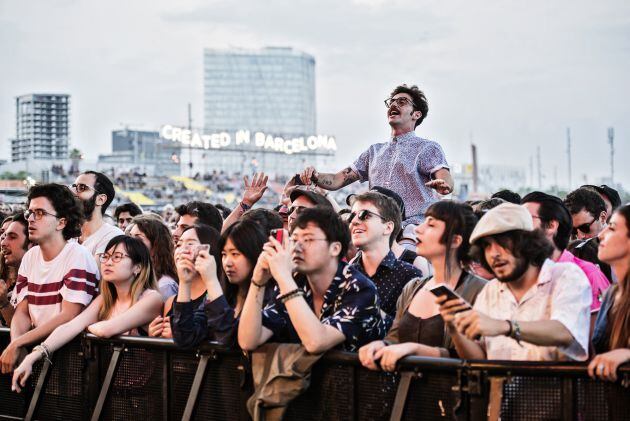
{"x": 439, "y": 185}
{"x": 254, "y": 191}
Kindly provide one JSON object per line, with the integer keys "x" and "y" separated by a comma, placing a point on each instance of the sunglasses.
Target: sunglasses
{"x": 297, "y": 209}
{"x": 584, "y": 228}
{"x": 363, "y": 215}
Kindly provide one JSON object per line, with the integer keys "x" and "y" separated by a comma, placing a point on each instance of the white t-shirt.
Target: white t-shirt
{"x": 97, "y": 242}
{"x": 71, "y": 276}
{"x": 562, "y": 293}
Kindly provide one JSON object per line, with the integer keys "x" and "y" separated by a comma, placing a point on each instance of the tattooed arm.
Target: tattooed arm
{"x": 329, "y": 181}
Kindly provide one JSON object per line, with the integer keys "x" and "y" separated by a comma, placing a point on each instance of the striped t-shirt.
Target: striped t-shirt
{"x": 71, "y": 276}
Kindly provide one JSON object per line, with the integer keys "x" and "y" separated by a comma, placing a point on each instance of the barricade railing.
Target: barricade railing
{"x": 146, "y": 378}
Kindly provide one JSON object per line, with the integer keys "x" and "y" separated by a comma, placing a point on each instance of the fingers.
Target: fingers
{"x": 366, "y": 356}
{"x": 156, "y": 326}
{"x": 246, "y": 181}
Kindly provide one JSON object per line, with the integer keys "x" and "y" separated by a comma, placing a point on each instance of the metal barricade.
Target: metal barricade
{"x": 146, "y": 378}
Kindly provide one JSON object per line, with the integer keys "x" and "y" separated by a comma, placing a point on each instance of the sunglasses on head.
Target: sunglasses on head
{"x": 363, "y": 215}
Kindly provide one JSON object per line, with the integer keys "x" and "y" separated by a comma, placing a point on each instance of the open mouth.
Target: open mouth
{"x": 499, "y": 265}
{"x": 393, "y": 112}
{"x": 358, "y": 231}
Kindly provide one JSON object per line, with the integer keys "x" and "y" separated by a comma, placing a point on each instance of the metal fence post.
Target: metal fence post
{"x": 41, "y": 382}
{"x": 196, "y": 387}
{"x": 111, "y": 372}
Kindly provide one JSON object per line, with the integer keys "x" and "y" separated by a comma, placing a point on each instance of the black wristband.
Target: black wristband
{"x": 509, "y": 333}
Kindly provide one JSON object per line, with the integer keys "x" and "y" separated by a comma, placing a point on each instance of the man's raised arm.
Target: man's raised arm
{"x": 329, "y": 181}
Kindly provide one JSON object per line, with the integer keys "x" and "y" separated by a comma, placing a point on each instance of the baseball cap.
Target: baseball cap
{"x": 387, "y": 192}
{"x": 609, "y": 192}
{"x": 503, "y": 218}
{"x": 316, "y": 198}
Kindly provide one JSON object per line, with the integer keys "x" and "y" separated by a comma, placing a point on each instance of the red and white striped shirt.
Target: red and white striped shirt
{"x": 71, "y": 276}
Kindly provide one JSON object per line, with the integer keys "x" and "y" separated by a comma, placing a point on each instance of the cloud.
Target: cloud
{"x": 515, "y": 75}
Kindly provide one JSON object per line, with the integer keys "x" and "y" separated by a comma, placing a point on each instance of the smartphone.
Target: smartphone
{"x": 199, "y": 247}
{"x": 297, "y": 181}
{"x": 441, "y": 290}
{"x": 278, "y": 234}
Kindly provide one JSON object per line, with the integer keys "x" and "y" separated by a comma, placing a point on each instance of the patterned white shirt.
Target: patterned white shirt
{"x": 562, "y": 293}
{"x": 403, "y": 165}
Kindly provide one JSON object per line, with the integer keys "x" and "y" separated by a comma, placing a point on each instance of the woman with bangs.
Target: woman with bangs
{"x": 611, "y": 337}
{"x": 197, "y": 243}
{"x": 128, "y": 301}
{"x": 418, "y": 329}
{"x": 227, "y": 286}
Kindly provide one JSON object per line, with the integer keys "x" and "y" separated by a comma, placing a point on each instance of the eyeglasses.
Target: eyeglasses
{"x": 305, "y": 242}
{"x": 363, "y": 215}
{"x": 297, "y": 209}
{"x": 584, "y": 228}
{"x": 80, "y": 187}
{"x": 116, "y": 257}
{"x": 39, "y": 214}
{"x": 400, "y": 102}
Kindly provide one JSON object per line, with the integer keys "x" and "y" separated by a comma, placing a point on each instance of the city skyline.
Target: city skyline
{"x": 508, "y": 79}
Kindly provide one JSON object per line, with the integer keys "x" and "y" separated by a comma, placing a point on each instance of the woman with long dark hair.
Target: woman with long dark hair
{"x": 192, "y": 240}
{"x": 240, "y": 245}
{"x": 611, "y": 337}
{"x": 418, "y": 329}
{"x": 127, "y": 302}
{"x": 157, "y": 237}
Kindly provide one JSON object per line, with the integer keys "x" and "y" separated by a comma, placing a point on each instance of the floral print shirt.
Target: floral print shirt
{"x": 350, "y": 305}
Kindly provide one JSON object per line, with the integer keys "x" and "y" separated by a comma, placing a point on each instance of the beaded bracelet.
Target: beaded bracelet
{"x": 291, "y": 294}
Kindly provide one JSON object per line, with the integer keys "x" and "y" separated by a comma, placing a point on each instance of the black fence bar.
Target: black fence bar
{"x": 145, "y": 378}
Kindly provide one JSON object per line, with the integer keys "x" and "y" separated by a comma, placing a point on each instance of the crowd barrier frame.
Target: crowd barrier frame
{"x": 149, "y": 378}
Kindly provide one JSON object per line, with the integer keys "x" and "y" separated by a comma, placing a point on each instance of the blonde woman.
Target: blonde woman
{"x": 129, "y": 300}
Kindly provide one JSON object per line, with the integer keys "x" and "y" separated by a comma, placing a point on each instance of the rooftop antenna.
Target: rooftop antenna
{"x": 611, "y": 142}
{"x": 569, "y": 155}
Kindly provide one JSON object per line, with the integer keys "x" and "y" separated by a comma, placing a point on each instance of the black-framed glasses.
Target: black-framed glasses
{"x": 81, "y": 187}
{"x": 116, "y": 257}
{"x": 400, "y": 102}
{"x": 363, "y": 215}
{"x": 38, "y": 214}
{"x": 585, "y": 228}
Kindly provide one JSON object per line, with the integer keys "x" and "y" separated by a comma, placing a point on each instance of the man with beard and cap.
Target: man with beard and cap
{"x": 96, "y": 192}
{"x": 535, "y": 309}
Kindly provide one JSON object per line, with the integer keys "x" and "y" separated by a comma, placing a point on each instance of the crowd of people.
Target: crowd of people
{"x": 400, "y": 271}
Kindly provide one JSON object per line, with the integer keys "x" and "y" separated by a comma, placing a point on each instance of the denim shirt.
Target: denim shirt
{"x": 600, "y": 340}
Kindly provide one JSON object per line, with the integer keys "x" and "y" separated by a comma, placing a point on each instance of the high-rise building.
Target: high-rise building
{"x": 42, "y": 127}
{"x": 264, "y": 101}
{"x": 142, "y": 150}
{"x": 271, "y": 90}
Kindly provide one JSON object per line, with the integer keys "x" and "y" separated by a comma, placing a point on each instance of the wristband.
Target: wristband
{"x": 257, "y": 285}
{"x": 516, "y": 332}
{"x": 509, "y": 333}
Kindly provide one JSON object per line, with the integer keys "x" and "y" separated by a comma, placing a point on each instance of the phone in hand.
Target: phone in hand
{"x": 297, "y": 181}
{"x": 278, "y": 234}
{"x": 441, "y": 290}
{"x": 199, "y": 247}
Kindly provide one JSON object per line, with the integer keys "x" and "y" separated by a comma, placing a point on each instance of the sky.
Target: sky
{"x": 508, "y": 76}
